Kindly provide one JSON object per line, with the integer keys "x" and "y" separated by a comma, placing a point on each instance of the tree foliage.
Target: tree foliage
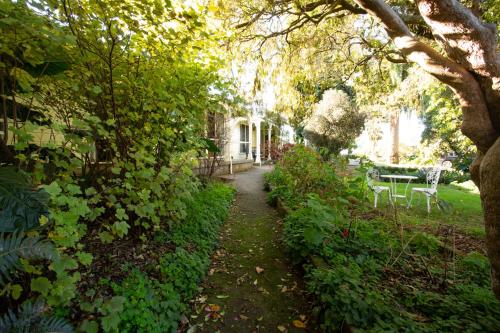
{"x": 449, "y": 39}
{"x": 336, "y": 122}
{"x": 104, "y": 106}
{"x": 442, "y": 117}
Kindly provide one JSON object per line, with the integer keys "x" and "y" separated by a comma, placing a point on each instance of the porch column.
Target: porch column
{"x": 257, "y": 144}
{"x": 228, "y": 139}
{"x": 250, "y": 131}
{"x": 269, "y": 130}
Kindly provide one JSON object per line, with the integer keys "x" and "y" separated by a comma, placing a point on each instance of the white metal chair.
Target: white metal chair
{"x": 372, "y": 174}
{"x": 432, "y": 180}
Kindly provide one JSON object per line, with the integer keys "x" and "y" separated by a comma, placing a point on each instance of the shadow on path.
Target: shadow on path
{"x": 251, "y": 286}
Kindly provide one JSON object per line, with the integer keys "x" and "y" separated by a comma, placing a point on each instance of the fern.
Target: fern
{"x": 21, "y": 206}
{"x": 31, "y": 318}
{"x": 16, "y": 246}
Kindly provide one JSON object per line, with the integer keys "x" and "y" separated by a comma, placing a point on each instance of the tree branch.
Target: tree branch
{"x": 469, "y": 42}
{"x": 477, "y": 124}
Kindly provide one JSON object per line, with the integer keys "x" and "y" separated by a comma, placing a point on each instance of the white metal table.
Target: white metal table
{"x": 394, "y": 179}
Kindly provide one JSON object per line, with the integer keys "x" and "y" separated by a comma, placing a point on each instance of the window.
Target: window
{"x": 244, "y": 138}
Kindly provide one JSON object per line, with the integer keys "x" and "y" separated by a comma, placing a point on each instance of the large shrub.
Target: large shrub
{"x": 335, "y": 123}
{"x": 123, "y": 97}
{"x": 302, "y": 171}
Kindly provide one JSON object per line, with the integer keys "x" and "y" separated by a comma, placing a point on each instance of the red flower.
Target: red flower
{"x": 345, "y": 233}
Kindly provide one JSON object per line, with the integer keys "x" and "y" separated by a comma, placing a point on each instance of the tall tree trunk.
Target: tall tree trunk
{"x": 472, "y": 69}
{"x": 394, "y": 158}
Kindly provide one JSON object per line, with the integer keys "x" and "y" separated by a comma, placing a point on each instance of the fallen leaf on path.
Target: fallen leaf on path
{"x": 302, "y": 317}
{"x": 264, "y": 291}
{"x": 192, "y": 329}
{"x": 259, "y": 269}
{"x": 212, "y": 308}
{"x": 260, "y": 318}
{"x": 243, "y": 317}
{"x": 255, "y": 282}
{"x": 222, "y": 296}
{"x": 282, "y": 328}
{"x": 214, "y": 315}
{"x": 299, "y": 324}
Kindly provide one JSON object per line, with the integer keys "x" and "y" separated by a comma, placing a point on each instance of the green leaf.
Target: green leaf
{"x": 41, "y": 284}
{"x": 121, "y": 214}
{"x": 21, "y": 206}
{"x": 16, "y": 247}
{"x": 210, "y": 146}
{"x": 16, "y": 291}
{"x": 53, "y": 189}
{"x": 106, "y": 237}
{"x": 89, "y": 326}
{"x": 85, "y": 258}
{"x": 314, "y": 236}
{"x": 86, "y": 306}
{"x": 97, "y": 90}
{"x": 23, "y": 78}
{"x": 110, "y": 322}
{"x": 121, "y": 228}
{"x": 116, "y": 304}
{"x": 90, "y": 191}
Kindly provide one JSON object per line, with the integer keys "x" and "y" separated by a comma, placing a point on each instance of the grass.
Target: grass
{"x": 465, "y": 208}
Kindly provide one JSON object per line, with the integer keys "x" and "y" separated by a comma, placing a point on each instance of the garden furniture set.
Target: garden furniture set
{"x": 430, "y": 191}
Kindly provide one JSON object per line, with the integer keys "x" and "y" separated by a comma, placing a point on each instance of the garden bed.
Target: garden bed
{"x": 144, "y": 285}
{"x": 368, "y": 272}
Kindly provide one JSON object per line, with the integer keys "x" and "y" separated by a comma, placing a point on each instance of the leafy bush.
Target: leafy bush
{"x": 302, "y": 171}
{"x": 335, "y": 122}
{"x": 370, "y": 275}
{"x": 155, "y": 302}
{"x": 150, "y": 306}
{"x": 124, "y": 135}
{"x": 475, "y": 267}
{"x": 355, "y": 280}
{"x": 424, "y": 243}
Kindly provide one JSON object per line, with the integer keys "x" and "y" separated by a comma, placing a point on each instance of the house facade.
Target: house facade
{"x": 249, "y": 139}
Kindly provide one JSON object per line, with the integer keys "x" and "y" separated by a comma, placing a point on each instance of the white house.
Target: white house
{"x": 250, "y": 139}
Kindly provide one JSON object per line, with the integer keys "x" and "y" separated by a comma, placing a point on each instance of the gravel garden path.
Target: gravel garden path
{"x": 251, "y": 285}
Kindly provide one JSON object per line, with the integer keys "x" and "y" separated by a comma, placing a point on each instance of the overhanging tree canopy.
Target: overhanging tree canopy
{"x": 446, "y": 39}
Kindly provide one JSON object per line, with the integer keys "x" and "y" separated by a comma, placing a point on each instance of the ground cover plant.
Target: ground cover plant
{"x": 371, "y": 272}
{"x": 152, "y": 294}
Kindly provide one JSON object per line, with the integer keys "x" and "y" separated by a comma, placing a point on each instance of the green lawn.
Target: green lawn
{"x": 465, "y": 208}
